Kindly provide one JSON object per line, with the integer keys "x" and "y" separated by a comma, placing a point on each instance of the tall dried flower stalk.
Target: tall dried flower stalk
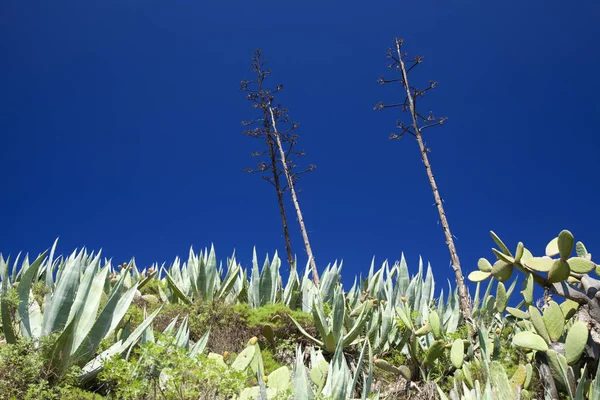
{"x": 414, "y": 128}
{"x": 279, "y": 150}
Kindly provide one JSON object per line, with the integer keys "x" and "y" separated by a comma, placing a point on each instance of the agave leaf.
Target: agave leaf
{"x": 48, "y": 277}
{"x": 359, "y": 366}
{"x": 57, "y": 312}
{"x": 7, "y": 326}
{"x": 302, "y": 387}
{"x": 176, "y": 289}
{"x": 308, "y": 335}
{"x": 358, "y": 327}
{"x": 23, "y": 291}
{"x": 230, "y": 278}
{"x": 200, "y": 345}
{"x": 89, "y": 310}
{"x": 337, "y": 315}
{"x": 111, "y": 314}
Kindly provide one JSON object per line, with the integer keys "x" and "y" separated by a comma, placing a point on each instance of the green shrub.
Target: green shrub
{"x": 163, "y": 371}
{"x": 25, "y": 373}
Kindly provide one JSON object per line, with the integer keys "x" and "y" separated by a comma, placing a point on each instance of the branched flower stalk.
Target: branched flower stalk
{"x": 280, "y": 148}
{"x": 414, "y": 129}
{"x": 315, "y": 274}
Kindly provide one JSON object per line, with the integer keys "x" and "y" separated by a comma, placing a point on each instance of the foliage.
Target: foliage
{"x": 162, "y": 371}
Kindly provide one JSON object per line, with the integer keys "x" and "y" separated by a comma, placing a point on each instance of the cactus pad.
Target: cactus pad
{"x": 435, "y": 351}
{"x": 569, "y": 308}
{"x": 457, "y": 353}
{"x": 580, "y": 250}
{"x": 484, "y": 265}
{"x": 575, "y": 342}
{"x": 540, "y": 264}
{"x": 530, "y": 340}
{"x": 436, "y": 325}
{"x": 581, "y": 265}
{"x": 501, "y": 256}
{"x": 500, "y": 243}
{"x": 552, "y": 248}
{"x": 479, "y": 276}
{"x": 502, "y": 270}
{"x": 527, "y": 289}
{"x": 515, "y": 312}
{"x": 559, "y": 271}
{"x": 501, "y": 298}
{"x": 519, "y": 377}
{"x": 565, "y": 243}
{"x": 519, "y": 252}
{"x": 554, "y": 321}
{"x": 538, "y": 322}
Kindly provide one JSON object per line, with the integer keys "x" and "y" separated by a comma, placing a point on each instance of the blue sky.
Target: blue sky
{"x": 120, "y": 127}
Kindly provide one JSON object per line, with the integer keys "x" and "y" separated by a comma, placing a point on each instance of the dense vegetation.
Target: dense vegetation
{"x": 77, "y": 327}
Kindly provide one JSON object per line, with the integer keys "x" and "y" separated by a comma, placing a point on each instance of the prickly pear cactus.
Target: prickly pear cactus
{"x": 559, "y": 334}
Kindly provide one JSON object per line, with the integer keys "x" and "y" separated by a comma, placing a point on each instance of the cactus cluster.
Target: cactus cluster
{"x": 557, "y": 336}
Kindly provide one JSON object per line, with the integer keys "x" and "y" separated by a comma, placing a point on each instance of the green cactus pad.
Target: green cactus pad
{"x": 479, "y": 276}
{"x": 565, "y": 242}
{"x": 554, "y": 361}
{"x": 484, "y": 265}
{"x": 467, "y": 374}
{"x": 424, "y": 330}
{"x": 244, "y": 359}
{"x": 540, "y": 264}
{"x": 552, "y": 248}
{"x": 435, "y": 351}
{"x": 500, "y": 381}
{"x": 386, "y": 366}
{"x": 457, "y": 353}
{"x": 526, "y": 255}
{"x": 538, "y": 322}
{"x": 405, "y": 372}
{"x": 218, "y": 358}
{"x": 501, "y": 298}
{"x": 519, "y": 252}
{"x": 280, "y": 379}
{"x": 519, "y": 377}
{"x": 529, "y": 369}
{"x": 569, "y": 308}
{"x": 500, "y": 243}
{"x": 559, "y": 272}
{"x": 503, "y": 257}
{"x": 515, "y": 312}
{"x": 575, "y": 342}
{"x": 436, "y": 325}
{"x": 527, "y": 289}
{"x": 580, "y": 265}
{"x": 554, "y": 321}
{"x": 318, "y": 372}
{"x": 530, "y": 340}
{"x": 502, "y": 271}
{"x": 580, "y": 250}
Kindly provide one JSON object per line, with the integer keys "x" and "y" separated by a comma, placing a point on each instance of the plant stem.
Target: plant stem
{"x": 460, "y": 280}
{"x": 315, "y": 274}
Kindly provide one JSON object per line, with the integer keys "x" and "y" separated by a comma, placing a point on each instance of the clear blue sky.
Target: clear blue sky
{"x": 120, "y": 127}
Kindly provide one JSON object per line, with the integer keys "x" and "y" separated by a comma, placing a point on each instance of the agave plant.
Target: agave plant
{"x": 333, "y": 330}
{"x": 71, "y": 307}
